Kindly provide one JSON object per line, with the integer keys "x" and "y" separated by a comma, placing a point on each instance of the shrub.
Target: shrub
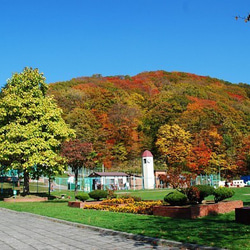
{"x": 111, "y": 194}
{"x": 192, "y": 193}
{"x": 98, "y": 194}
{"x": 176, "y": 198}
{"x": 205, "y": 191}
{"x": 222, "y": 193}
{"x": 82, "y": 196}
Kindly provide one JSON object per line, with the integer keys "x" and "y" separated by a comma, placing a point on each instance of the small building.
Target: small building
{"x": 158, "y": 182}
{"x": 135, "y": 182}
{"x": 109, "y": 180}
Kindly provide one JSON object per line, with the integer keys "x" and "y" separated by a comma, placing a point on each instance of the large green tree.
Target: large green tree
{"x": 31, "y": 126}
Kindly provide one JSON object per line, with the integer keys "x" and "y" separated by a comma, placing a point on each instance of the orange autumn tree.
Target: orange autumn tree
{"x": 243, "y": 160}
{"x": 199, "y": 156}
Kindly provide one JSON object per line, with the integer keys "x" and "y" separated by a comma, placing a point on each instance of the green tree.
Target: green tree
{"x": 31, "y": 126}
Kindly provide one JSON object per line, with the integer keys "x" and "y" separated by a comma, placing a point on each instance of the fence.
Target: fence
{"x": 211, "y": 180}
{"x": 88, "y": 184}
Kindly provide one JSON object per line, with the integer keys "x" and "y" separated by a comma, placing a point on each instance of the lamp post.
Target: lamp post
{"x": 13, "y": 183}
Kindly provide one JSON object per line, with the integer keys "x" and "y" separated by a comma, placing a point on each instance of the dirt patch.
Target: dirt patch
{"x": 29, "y": 198}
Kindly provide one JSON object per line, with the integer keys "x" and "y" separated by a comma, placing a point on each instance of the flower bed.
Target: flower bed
{"x": 126, "y": 206}
{"x": 195, "y": 211}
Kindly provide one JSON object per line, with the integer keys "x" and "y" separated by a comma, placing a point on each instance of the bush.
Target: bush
{"x": 111, "y": 194}
{"x": 222, "y": 193}
{"x": 82, "y": 196}
{"x": 192, "y": 193}
{"x": 176, "y": 198}
{"x": 98, "y": 194}
{"x": 205, "y": 191}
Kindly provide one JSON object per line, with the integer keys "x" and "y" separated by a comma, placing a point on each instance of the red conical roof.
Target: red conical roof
{"x": 147, "y": 154}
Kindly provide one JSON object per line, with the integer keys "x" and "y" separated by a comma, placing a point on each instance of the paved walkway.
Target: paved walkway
{"x": 26, "y": 231}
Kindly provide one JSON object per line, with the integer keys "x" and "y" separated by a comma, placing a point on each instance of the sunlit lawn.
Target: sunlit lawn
{"x": 156, "y": 194}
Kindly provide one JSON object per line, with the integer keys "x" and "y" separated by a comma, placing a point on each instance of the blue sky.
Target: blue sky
{"x": 73, "y": 38}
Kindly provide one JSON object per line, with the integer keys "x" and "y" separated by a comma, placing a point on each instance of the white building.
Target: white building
{"x": 148, "y": 170}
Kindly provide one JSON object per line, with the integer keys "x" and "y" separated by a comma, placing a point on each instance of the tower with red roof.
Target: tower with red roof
{"x": 148, "y": 170}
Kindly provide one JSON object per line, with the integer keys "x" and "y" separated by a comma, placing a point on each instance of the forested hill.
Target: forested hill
{"x": 121, "y": 116}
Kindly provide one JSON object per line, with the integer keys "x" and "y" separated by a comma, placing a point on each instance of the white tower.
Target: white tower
{"x": 148, "y": 170}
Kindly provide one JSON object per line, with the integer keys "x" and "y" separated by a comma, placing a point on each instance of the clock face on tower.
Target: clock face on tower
{"x": 148, "y": 160}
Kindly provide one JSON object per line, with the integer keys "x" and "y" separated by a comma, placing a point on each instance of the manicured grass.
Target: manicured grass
{"x": 220, "y": 230}
{"x": 156, "y": 194}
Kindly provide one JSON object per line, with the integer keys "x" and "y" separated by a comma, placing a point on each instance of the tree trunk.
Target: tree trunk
{"x": 49, "y": 185}
{"x": 76, "y": 180}
{"x": 26, "y": 187}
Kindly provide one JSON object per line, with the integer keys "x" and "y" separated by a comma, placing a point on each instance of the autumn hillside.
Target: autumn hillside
{"x": 121, "y": 116}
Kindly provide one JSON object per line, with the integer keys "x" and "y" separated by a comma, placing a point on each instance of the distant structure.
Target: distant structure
{"x": 148, "y": 170}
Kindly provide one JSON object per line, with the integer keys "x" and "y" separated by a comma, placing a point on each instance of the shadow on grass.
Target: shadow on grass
{"x": 220, "y": 230}
{"x": 57, "y": 201}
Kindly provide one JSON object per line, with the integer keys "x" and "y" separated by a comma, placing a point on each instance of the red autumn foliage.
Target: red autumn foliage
{"x": 76, "y": 153}
{"x": 198, "y": 159}
{"x": 236, "y": 97}
{"x": 199, "y": 104}
{"x": 176, "y": 178}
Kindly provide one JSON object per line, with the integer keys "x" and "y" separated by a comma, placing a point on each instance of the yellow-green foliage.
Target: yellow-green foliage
{"x": 31, "y": 126}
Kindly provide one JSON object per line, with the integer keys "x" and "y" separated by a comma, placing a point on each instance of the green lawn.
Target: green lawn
{"x": 157, "y": 194}
{"x": 219, "y": 231}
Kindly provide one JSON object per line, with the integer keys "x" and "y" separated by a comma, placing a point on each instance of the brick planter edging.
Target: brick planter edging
{"x": 80, "y": 204}
{"x": 195, "y": 211}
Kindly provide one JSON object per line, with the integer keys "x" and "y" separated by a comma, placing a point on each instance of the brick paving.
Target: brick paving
{"x": 24, "y": 231}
